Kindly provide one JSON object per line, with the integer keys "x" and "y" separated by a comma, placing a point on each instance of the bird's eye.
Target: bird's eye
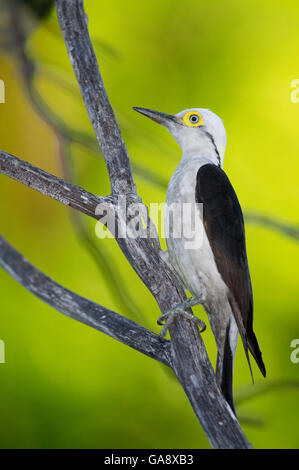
{"x": 193, "y": 119}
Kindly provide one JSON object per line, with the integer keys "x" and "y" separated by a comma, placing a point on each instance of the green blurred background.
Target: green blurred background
{"x": 65, "y": 385}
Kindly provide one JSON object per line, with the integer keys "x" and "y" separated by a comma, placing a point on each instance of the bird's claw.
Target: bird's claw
{"x": 167, "y": 318}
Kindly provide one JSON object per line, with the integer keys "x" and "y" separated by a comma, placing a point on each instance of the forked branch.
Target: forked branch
{"x": 185, "y": 353}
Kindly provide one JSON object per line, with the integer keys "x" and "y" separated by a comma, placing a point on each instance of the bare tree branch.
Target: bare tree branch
{"x": 73, "y": 23}
{"x": 49, "y": 185}
{"x": 79, "y": 308}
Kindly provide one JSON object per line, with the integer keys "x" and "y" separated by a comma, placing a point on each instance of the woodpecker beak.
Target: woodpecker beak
{"x": 160, "y": 118}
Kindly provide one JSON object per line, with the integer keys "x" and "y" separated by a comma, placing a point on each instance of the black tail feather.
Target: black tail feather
{"x": 255, "y": 351}
{"x": 248, "y": 339}
{"x": 227, "y": 372}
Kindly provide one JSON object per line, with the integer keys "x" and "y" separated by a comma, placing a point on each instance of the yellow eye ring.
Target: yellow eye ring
{"x": 193, "y": 119}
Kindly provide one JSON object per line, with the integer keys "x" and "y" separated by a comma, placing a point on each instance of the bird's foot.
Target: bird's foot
{"x": 180, "y": 309}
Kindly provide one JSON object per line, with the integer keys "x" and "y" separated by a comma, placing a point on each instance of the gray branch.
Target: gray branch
{"x": 49, "y": 185}
{"x": 185, "y": 353}
{"x": 73, "y": 23}
{"x": 79, "y": 308}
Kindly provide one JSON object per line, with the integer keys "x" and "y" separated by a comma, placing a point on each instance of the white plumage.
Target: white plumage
{"x": 212, "y": 264}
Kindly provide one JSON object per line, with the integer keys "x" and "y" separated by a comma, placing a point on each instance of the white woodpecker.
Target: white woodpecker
{"x": 214, "y": 269}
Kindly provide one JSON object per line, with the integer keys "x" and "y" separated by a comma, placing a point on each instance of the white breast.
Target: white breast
{"x": 189, "y": 248}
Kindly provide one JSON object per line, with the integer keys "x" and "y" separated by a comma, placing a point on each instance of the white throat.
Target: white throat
{"x": 204, "y": 149}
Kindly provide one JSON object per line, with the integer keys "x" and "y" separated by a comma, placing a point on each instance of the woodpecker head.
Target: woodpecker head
{"x": 196, "y": 130}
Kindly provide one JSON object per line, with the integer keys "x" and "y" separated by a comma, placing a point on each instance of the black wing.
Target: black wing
{"x": 224, "y": 225}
